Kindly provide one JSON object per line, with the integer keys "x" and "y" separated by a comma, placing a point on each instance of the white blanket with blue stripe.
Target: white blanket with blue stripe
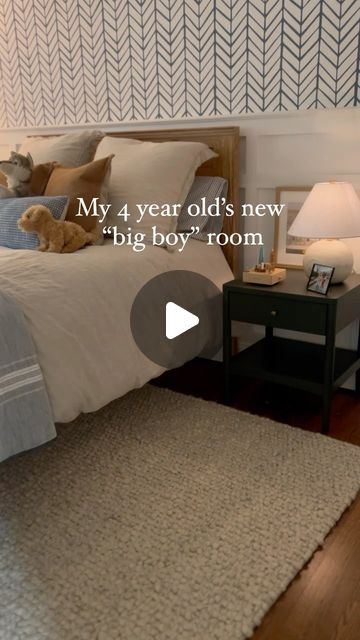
{"x": 25, "y": 413}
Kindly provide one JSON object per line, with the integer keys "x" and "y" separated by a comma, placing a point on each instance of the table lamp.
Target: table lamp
{"x": 331, "y": 211}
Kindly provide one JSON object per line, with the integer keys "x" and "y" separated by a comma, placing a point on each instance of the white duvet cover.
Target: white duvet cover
{"x": 78, "y": 309}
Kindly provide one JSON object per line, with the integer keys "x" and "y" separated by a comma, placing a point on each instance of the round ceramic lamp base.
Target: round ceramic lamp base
{"x": 332, "y": 253}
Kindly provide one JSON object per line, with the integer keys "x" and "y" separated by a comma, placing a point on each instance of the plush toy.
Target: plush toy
{"x": 18, "y": 171}
{"x": 57, "y": 236}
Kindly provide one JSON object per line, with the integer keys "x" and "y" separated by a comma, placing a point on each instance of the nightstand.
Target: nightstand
{"x": 318, "y": 368}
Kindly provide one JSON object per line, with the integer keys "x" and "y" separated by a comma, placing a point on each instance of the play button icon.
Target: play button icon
{"x": 177, "y": 316}
{"x": 178, "y": 320}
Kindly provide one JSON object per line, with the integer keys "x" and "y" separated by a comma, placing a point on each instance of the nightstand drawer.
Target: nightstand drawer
{"x": 277, "y": 312}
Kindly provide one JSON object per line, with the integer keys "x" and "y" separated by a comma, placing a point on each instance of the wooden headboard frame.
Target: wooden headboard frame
{"x": 225, "y": 141}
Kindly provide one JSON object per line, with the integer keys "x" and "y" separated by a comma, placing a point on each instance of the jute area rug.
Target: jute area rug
{"x": 163, "y": 517}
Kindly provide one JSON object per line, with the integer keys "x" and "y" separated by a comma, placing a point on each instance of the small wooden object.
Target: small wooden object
{"x": 268, "y": 278}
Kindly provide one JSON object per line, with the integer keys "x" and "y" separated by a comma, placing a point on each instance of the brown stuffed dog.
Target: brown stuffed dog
{"x": 57, "y": 236}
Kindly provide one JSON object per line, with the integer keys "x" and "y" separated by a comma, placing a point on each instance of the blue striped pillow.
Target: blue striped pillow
{"x": 209, "y": 188}
{"x": 11, "y": 210}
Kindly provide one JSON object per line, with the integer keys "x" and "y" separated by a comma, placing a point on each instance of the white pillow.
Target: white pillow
{"x": 70, "y": 150}
{"x": 150, "y": 173}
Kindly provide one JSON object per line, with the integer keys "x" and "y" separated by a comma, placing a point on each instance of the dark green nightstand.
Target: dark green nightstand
{"x": 320, "y": 369}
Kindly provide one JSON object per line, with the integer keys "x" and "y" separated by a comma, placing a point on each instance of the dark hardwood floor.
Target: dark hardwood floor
{"x": 323, "y": 601}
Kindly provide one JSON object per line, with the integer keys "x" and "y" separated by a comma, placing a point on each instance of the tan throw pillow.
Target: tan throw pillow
{"x": 70, "y": 150}
{"x": 40, "y": 176}
{"x": 87, "y": 182}
{"x": 159, "y": 173}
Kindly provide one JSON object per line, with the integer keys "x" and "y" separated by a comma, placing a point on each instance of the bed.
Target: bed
{"x": 78, "y": 306}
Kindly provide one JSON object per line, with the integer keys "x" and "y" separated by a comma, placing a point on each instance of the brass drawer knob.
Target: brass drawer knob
{"x": 273, "y": 313}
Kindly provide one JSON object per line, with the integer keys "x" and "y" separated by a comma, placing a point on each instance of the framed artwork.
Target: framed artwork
{"x": 320, "y": 278}
{"x": 289, "y": 250}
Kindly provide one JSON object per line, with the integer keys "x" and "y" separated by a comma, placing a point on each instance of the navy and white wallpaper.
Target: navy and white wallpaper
{"x": 77, "y": 61}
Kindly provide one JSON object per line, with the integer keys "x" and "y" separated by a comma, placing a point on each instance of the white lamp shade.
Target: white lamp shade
{"x": 331, "y": 210}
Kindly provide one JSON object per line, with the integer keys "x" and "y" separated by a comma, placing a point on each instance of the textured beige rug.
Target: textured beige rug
{"x": 163, "y": 517}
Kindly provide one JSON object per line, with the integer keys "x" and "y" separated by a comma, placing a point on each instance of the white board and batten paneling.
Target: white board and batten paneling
{"x": 299, "y": 149}
{"x": 294, "y": 148}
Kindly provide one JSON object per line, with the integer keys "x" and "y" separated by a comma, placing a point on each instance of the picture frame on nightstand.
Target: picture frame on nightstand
{"x": 289, "y": 250}
{"x": 320, "y": 278}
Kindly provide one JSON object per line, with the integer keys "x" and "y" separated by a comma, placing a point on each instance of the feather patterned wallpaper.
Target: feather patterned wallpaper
{"x": 91, "y": 61}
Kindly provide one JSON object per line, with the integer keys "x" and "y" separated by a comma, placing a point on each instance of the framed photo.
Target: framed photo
{"x": 289, "y": 250}
{"x": 320, "y": 278}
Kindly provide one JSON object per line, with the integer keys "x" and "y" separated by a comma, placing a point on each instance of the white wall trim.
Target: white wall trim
{"x": 132, "y": 125}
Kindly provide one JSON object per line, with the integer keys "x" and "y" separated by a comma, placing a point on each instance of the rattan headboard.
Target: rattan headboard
{"x": 225, "y": 141}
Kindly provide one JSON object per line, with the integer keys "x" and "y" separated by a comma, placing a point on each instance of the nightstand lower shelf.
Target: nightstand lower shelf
{"x": 293, "y": 363}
